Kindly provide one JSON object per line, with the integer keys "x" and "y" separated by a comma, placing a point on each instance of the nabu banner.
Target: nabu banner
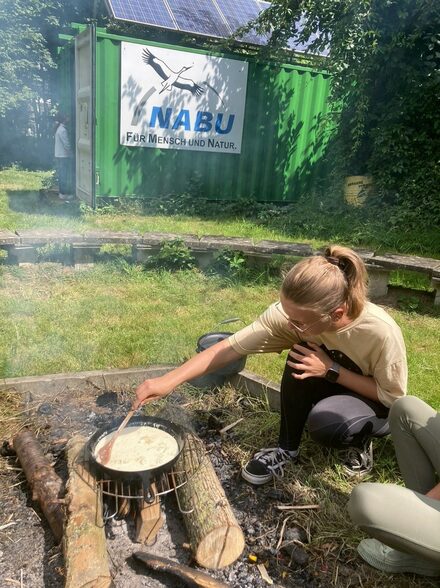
{"x": 180, "y": 100}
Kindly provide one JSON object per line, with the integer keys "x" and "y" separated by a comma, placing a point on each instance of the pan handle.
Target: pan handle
{"x": 231, "y": 320}
{"x": 149, "y": 494}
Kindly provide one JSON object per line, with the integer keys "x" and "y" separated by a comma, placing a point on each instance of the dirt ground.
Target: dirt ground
{"x": 29, "y": 557}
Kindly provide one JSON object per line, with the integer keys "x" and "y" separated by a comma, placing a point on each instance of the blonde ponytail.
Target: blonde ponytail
{"x": 324, "y": 282}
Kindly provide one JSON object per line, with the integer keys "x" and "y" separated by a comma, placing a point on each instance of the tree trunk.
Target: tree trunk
{"x": 46, "y": 486}
{"x": 85, "y": 547}
{"x": 216, "y": 538}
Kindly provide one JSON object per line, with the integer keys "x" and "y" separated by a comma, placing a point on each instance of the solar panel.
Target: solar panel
{"x": 238, "y": 13}
{"x": 212, "y": 18}
{"x": 151, "y": 12}
{"x": 196, "y": 16}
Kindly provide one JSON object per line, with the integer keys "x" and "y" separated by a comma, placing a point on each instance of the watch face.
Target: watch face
{"x": 332, "y": 375}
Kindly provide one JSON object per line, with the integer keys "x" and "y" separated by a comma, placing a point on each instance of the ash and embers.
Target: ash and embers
{"x": 30, "y": 557}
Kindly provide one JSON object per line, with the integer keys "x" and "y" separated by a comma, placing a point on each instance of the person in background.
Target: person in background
{"x": 404, "y": 522}
{"x": 63, "y": 158}
{"x": 346, "y": 365}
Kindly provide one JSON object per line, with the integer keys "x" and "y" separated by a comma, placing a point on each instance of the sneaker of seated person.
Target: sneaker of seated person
{"x": 359, "y": 461}
{"x": 268, "y": 463}
{"x": 390, "y": 560}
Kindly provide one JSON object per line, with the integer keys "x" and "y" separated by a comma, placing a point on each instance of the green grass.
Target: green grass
{"x": 311, "y": 220}
{"x": 20, "y": 208}
{"x": 54, "y": 319}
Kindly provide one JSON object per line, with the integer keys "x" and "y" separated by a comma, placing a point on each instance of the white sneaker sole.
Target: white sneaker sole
{"x": 255, "y": 480}
{"x": 398, "y": 568}
{"x": 353, "y": 474}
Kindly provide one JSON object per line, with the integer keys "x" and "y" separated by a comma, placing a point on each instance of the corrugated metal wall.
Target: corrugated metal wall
{"x": 283, "y": 137}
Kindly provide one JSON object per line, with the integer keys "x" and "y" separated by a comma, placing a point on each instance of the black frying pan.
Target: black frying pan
{"x": 145, "y": 476}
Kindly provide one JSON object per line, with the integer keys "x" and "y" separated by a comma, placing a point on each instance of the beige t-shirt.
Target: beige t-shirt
{"x": 372, "y": 342}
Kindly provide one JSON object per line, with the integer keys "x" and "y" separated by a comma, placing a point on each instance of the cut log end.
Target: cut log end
{"x": 220, "y": 548}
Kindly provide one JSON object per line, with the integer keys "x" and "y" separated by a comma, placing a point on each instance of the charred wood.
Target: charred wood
{"x": 46, "y": 486}
{"x": 191, "y": 577}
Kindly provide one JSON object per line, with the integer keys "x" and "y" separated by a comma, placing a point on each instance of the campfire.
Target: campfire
{"x": 96, "y": 494}
{"x": 125, "y": 528}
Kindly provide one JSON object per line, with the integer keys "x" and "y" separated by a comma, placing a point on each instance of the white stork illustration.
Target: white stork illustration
{"x": 170, "y": 77}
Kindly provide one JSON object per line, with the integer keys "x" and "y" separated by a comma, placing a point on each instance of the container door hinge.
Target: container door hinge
{"x": 97, "y": 178}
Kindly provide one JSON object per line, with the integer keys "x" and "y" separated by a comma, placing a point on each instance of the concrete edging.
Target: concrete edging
{"x": 22, "y": 245}
{"x": 244, "y": 381}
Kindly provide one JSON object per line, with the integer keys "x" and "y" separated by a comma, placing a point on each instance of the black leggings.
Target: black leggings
{"x": 335, "y": 416}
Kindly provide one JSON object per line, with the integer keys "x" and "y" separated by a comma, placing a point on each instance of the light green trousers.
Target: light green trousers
{"x": 404, "y": 518}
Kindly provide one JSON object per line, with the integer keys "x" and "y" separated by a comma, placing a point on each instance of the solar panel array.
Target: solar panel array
{"x": 211, "y": 18}
{"x": 152, "y": 12}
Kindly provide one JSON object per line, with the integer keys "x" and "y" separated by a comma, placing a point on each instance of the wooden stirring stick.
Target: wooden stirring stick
{"x": 105, "y": 452}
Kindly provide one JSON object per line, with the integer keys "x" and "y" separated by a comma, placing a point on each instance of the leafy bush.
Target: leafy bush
{"x": 173, "y": 255}
{"x": 385, "y": 67}
{"x": 228, "y": 262}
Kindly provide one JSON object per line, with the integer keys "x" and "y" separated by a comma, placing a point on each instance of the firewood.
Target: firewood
{"x": 85, "y": 549}
{"x": 149, "y": 520}
{"x": 215, "y": 535}
{"x": 46, "y": 486}
{"x": 191, "y": 577}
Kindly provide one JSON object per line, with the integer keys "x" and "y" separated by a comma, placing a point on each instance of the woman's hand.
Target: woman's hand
{"x": 312, "y": 363}
{"x": 150, "y": 390}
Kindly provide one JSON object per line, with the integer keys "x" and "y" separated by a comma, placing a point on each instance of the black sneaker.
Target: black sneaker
{"x": 266, "y": 464}
{"x": 359, "y": 462}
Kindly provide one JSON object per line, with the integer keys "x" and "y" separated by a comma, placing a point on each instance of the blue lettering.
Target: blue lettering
{"x": 218, "y": 124}
{"x": 203, "y": 122}
{"x": 182, "y": 119}
{"x": 157, "y": 115}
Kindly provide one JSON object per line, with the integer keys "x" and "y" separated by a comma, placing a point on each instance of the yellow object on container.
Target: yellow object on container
{"x": 356, "y": 189}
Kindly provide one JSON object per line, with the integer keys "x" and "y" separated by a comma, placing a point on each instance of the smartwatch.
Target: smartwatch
{"x": 332, "y": 374}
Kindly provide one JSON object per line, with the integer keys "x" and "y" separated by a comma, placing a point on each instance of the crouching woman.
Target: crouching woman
{"x": 404, "y": 522}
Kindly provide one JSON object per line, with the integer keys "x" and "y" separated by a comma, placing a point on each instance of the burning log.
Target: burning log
{"x": 85, "y": 548}
{"x": 46, "y": 486}
{"x": 191, "y": 577}
{"x": 216, "y": 538}
{"x": 149, "y": 520}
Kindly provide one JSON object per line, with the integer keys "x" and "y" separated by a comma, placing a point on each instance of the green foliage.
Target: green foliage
{"x": 173, "y": 255}
{"x": 28, "y": 92}
{"x": 229, "y": 262}
{"x": 385, "y": 63}
{"x": 54, "y": 252}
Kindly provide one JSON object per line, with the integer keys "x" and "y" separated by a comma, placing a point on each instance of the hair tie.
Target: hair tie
{"x": 336, "y": 261}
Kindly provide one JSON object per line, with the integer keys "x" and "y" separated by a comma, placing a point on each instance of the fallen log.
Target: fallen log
{"x": 85, "y": 549}
{"x": 46, "y": 486}
{"x": 192, "y": 578}
{"x": 215, "y": 535}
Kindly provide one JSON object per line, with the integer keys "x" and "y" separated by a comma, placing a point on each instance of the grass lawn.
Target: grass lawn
{"x": 20, "y": 211}
{"x": 53, "y": 319}
{"x": 311, "y": 221}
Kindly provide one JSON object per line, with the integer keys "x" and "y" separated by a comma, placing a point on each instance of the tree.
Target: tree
{"x": 385, "y": 62}
{"x": 28, "y": 47}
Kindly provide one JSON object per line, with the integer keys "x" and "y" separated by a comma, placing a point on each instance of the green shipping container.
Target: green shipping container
{"x": 285, "y": 130}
